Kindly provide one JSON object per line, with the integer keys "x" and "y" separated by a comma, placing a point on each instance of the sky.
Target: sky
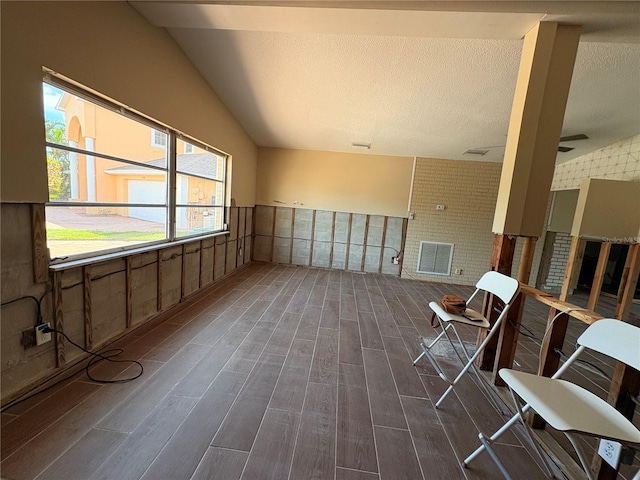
{"x": 50, "y": 96}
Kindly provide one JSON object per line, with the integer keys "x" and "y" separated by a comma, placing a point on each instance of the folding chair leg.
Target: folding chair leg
{"x": 419, "y": 356}
{"x": 529, "y": 433}
{"x": 427, "y": 347}
{"x": 432, "y": 361}
{"x": 585, "y": 466}
{"x": 495, "y": 436}
{"x": 469, "y": 364}
{"x": 487, "y": 445}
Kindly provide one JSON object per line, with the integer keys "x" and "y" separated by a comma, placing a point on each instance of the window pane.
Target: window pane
{"x": 85, "y": 178}
{"x": 200, "y": 162}
{"x": 76, "y": 230}
{"x": 74, "y": 121}
{"x": 198, "y": 191}
{"x": 194, "y": 220}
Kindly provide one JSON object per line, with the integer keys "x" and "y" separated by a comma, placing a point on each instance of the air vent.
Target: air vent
{"x": 475, "y": 151}
{"x": 435, "y": 258}
{"x": 361, "y": 145}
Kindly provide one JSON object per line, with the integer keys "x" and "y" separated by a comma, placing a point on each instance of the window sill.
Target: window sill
{"x": 65, "y": 265}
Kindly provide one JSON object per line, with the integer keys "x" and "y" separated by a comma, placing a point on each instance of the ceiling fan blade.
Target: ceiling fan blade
{"x": 564, "y": 149}
{"x": 571, "y": 138}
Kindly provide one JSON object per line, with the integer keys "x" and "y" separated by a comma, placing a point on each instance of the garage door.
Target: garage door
{"x": 145, "y": 191}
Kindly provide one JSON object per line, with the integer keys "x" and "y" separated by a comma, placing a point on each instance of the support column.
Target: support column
{"x": 537, "y": 114}
{"x": 508, "y": 338}
{"x": 501, "y": 261}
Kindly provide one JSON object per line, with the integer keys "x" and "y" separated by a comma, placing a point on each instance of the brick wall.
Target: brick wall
{"x": 558, "y": 263}
{"x": 469, "y": 190}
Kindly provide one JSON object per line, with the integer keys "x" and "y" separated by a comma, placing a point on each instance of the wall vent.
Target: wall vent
{"x": 435, "y": 258}
{"x": 476, "y": 151}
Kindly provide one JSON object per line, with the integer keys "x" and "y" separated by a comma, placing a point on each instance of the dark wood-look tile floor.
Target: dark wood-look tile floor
{"x": 281, "y": 372}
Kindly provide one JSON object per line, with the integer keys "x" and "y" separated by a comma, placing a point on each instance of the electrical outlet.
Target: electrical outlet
{"x": 458, "y": 271}
{"x": 440, "y": 207}
{"x": 41, "y": 336}
{"x": 610, "y": 451}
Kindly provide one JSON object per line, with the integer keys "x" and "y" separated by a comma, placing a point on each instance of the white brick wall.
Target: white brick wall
{"x": 558, "y": 263}
{"x": 469, "y": 190}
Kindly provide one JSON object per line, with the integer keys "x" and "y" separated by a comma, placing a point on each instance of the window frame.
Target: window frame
{"x": 171, "y": 174}
{"x": 154, "y": 142}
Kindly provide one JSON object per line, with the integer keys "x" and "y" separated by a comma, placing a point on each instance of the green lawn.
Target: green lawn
{"x": 78, "y": 234}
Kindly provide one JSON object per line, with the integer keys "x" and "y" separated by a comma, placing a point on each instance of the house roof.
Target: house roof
{"x": 411, "y": 78}
{"x": 201, "y": 164}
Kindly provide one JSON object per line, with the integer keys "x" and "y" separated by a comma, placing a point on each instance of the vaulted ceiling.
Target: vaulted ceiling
{"x": 410, "y": 78}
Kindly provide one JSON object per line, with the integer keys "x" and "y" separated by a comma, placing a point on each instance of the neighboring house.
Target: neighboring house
{"x": 97, "y": 179}
{"x": 136, "y": 184}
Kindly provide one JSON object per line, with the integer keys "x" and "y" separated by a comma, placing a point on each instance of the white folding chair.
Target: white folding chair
{"x": 501, "y": 286}
{"x": 568, "y": 407}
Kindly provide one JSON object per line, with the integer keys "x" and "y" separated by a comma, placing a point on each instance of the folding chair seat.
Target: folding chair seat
{"x": 501, "y": 286}
{"x": 567, "y": 407}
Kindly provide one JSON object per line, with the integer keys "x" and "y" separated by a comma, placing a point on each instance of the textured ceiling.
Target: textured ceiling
{"x": 410, "y": 83}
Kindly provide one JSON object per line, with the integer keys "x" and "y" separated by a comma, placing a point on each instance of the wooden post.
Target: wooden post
{"x": 384, "y": 235}
{"x": 313, "y": 233}
{"x": 39, "y": 252}
{"x": 501, "y": 261}
{"x": 508, "y": 337}
{"x": 333, "y": 233}
{"x": 200, "y": 266}
{"x": 572, "y": 270}
{"x": 58, "y": 319}
{"x": 129, "y": 292}
{"x": 549, "y": 359}
{"x": 628, "y": 282}
{"x": 364, "y": 243}
{"x": 273, "y": 233}
{"x": 292, "y": 236}
{"x": 598, "y": 277}
{"x": 88, "y": 322}
{"x": 159, "y": 280}
{"x": 547, "y": 256}
{"x": 183, "y": 271}
{"x": 625, "y": 384}
{"x": 346, "y": 264}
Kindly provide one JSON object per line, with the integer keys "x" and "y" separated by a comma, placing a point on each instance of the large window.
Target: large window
{"x": 111, "y": 189}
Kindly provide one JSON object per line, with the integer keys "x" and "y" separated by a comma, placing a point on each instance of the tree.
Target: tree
{"x": 57, "y": 161}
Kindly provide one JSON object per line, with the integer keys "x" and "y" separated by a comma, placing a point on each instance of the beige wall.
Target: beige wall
{"x": 113, "y": 50}
{"x": 342, "y": 182}
{"x": 608, "y": 210}
{"x": 469, "y": 191}
{"x": 563, "y": 210}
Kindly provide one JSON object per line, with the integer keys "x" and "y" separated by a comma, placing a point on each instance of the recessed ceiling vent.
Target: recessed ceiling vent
{"x": 475, "y": 151}
{"x": 435, "y": 258}
{"x": 363, "y": 146}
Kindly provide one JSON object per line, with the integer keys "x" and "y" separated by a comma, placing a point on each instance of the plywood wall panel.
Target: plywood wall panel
{"x": 171, "y": 276}
{"x": 192, "y": 268}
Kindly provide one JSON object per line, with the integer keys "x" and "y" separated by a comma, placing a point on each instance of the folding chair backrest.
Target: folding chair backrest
{"x": 615, "y": 339}
{"x": 502, "y": 286}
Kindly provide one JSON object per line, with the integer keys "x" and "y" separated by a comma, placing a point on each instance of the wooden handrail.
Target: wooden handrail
{"x": 584, "y": 315}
